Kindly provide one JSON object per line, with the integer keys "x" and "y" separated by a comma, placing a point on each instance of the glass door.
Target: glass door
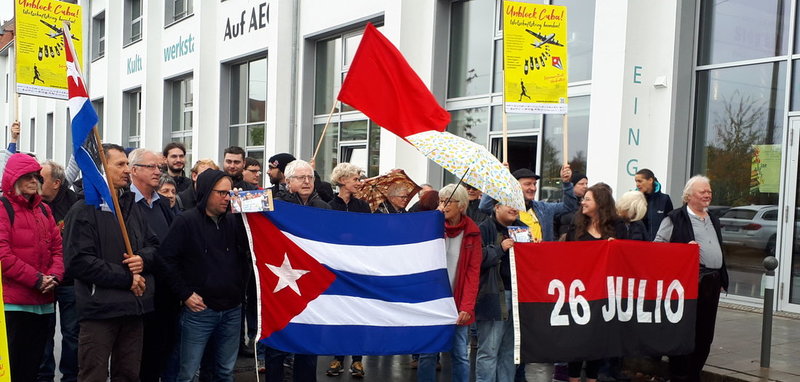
{"x": 787, "y": 290}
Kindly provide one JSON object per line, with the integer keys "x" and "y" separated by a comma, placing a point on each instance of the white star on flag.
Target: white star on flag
{"x": 286, "y": 275}
{"x": 72, "y": 72}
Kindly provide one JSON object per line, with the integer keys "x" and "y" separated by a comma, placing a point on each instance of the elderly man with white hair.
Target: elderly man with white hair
{"x": 300, "y": 183}
{"x": 692, "y": 224}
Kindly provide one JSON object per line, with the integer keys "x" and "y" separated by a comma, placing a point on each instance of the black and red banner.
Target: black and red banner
{"x": 598, "y": 299}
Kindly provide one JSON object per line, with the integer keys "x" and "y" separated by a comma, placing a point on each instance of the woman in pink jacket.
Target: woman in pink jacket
{"x": 32, "y": 264}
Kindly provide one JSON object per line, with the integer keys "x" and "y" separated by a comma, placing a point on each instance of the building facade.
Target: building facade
{"x": 679, "y": 87}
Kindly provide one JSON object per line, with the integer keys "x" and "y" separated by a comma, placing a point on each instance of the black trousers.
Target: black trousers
{"x": 689, "y": 367}
{"x": 27, "y": 336}
{"x": 118, "y": 338}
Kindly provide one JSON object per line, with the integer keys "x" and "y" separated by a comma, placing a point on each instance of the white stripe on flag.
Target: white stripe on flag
{"x": 347, "y": 310}
{"x": 75, "y": 104}
{"x": 389, "y": 260}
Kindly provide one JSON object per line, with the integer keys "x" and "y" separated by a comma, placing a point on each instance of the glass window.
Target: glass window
{"x": 471, "y": 43}
{"x": 248, "y": 112}
{"x": 472, "y": 124}
{"x": 98, "y": 108}
{"x": 33, "y": 135}
{"x": 181, "y": 109}
{"x": 49, "y": 148}
{"x": 552, "y": 145}
{"x": 176, "y": 10}
{"x": 737, "y": 30}
{"x": 739, "y": 121}
{"x": 133, "y": 25}
{"x": 99, "y": 36}
{"x": 580, "y": 37}
{"x": 133, "y": 120}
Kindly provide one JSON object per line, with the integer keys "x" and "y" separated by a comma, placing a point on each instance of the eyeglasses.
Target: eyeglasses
{"x": 304, "y": 178}
{"x": 150, "y": 166}
{"x": 222, "y": 193}
{"x": 254, "y": 171}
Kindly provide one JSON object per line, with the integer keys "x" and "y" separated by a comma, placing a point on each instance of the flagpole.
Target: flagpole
{"x": 99, "y": 142}
{"x": 324, "y": 129}
{"x": 565, "y": 138}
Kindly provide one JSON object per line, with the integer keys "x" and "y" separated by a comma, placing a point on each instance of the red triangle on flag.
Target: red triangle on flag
{"x": 288, "y": 277}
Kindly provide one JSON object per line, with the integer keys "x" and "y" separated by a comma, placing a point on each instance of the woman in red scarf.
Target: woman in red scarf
{"x": 463, "y": 253}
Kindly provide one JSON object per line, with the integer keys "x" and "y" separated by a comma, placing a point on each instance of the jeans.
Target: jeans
{"x": 197, "y": 329}
{"x": 459, "y": 356}
{"x": 495, "y": 358}
{"x": 68, "y": 365}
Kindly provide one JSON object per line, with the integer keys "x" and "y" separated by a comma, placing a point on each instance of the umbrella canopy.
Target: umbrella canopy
{"x": 461, "y": 156}
{"x": 375, "y": 190}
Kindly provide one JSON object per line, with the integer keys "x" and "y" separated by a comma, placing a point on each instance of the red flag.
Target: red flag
{"x": 383, "y": 86}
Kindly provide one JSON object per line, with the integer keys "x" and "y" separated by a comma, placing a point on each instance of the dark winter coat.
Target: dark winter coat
{"x": 682, "y": 232}
{"x": 207, "y": 257}
{"x": 313, "y": 201}
{"x": 355, "y": 205}
{"x": 495, "y": 267}
{"x": 94, "y": 250}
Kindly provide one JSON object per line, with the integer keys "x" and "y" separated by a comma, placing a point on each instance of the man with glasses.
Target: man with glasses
{"x": 112, "y": 290}
{"x": 206, "y": 254}
{"x": 396, "y": 200}
{"x": 252, "y": 172}
{"x": 300, "y": 182}
{"x": 158, "y": 325}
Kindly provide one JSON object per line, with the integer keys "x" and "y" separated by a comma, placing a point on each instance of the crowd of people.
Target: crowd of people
{"x": 180, "y": 301}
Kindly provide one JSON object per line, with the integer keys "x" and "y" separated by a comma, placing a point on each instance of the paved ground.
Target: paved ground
{"x": 735, "y": 354}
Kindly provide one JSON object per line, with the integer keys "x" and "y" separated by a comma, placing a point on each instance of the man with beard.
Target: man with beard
{"x": 175, "y": 155}
{"x": 233, "y": 164}
{"x": 276, "y": 166}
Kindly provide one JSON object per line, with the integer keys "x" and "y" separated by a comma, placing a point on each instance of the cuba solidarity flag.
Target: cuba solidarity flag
{"x": 598, "y": 299}
{"x": 333, "y": 282}
{"x": 84, "y": 146}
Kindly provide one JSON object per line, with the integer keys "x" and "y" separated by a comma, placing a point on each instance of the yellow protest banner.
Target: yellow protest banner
{"x": 41, "y": 66}
{"x": 5, "y": 366}
{"x": 535, "y": 58}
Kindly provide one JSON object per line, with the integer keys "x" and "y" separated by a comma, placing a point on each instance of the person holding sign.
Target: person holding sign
{"x": 596, "y": 220}
{"x": 32, "y": 265}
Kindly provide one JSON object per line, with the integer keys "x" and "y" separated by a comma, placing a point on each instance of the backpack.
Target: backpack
{"x": 10, "y": 209}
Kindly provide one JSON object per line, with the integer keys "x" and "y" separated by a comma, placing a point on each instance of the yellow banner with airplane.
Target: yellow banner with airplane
{"x": 41, "y": 65}
{"x": 535, "y": 58}
{"x": 5, "y": 366}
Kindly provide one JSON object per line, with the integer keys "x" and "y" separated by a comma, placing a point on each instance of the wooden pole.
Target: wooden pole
{"x": 99, "y": 142}
{"x": 565, "y": 138}
{"x": 324, "y": 129}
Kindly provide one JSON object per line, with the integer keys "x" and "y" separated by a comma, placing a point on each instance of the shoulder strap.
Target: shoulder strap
{"x": 44, "y": 210}
{"x": 9, "y": 209}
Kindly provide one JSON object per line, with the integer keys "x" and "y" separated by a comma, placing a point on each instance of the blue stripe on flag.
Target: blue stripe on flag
{"x": 357, "y": 229}
{"x": 419, "y": 287}
{"x": 82, "y": 123}
{"x": 95, "y": 188}
{"x": 363, "y": 340}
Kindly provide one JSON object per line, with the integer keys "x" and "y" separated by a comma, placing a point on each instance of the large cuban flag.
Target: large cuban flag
{"x": 84, "y": 145}
{"x": 334, "y": 282}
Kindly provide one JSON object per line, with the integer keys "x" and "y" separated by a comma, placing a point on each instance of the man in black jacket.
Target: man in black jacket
{"x": 57, "y": 195}
{"x": 300, "y": 181}
{"x": 112, "y": 290}
{"x": 233, "y": 163}
{"x": 175, "y": 155}
{"x": 206, "y": 253}
{"x": 692, "y": 224}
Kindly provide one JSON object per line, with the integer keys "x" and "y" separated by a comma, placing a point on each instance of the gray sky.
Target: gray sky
{"x": 6, "y": 10}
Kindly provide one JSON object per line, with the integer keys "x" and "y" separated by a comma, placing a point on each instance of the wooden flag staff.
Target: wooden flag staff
{"x": 324, "y": 129}
{"x": 98, "y": 141}
{"x": 565, "y": 138}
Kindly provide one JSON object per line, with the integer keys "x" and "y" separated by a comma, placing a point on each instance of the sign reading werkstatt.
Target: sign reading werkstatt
{"x": 535, "y": 58}
{"x": 41, "y": 66}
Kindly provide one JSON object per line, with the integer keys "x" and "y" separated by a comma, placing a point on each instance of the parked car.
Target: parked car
{"x": 752, "y": 226}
